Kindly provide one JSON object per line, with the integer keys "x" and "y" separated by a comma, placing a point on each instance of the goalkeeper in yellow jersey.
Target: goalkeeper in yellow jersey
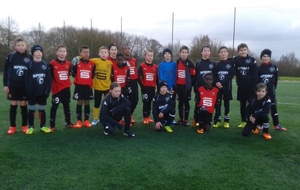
{"x": 101, "y": 81}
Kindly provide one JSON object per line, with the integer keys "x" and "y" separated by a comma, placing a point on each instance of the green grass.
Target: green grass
{"x": 219, "y": 159}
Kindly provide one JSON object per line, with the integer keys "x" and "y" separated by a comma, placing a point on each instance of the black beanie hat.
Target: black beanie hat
{"x": 162, "y": 83}
{"x": 36, "y": 47}
{"x": 265, "y": 51}
{"x": 167, "y": 50}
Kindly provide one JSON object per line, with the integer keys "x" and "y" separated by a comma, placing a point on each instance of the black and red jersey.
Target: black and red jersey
{"x": 132, "y": 65}
{"x": 207, "y": 98}
{"x": 148, "y": 75}
{"x": 60, "y": 74}
{"x": 84, "y": 72}
{"x": 121, "y": 74}
{"x": 113, "y": 60}
{"x": 185, "y": 72}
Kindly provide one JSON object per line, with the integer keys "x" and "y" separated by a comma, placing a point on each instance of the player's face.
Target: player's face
{"x": 266, "y": 59}
{"x": 127, "y": 51}
{"x": 261, "y": 93}
{"x": 103, "y": 53}
{"x": 61, "y": 53}
{"x": 208, "y": 81}
{"x": 85, "y": 54}
{"x": 21, "y": 47}
{"x": 37, "y": 54}
{"x": 115, "y": 92}
{"x": 205, "y": 53}
{"x": 120, "y": 61}
{"x": 167, "y": 57}
{"x": 113, "y": 51}
{"x": 149, "y": 57}
{"x": 163, "y": 90}
{"x": 243, "y": 52}
{"x": 184, "y": 54}
{"x": 223, "y": 54}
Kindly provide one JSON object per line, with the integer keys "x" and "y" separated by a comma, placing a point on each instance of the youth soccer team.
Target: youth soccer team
{"x": 28, "y": 79}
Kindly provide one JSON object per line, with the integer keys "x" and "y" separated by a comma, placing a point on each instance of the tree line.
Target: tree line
{"x": 73, "y": 38}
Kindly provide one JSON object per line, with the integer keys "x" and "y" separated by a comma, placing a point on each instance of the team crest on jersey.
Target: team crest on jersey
{"x": 248, "y": 61}
{"x": 210, "y": 66}
{"x": 213, "y": 93}
{"x": 67, "y": 67}
{"x": 228, "y": 66}
{"x": 167, "y": 98}
{"x": 26, "y": 60}
{"x": 272, "y": 69}
{"x": 44, "y": 67}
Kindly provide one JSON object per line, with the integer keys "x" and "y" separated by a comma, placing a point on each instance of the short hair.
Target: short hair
{"x": 20, "y": 39}
{"x": 242, "y": 45}
{"x": 148, "y": 51}
{"x": 120, "y": 55}
{"x": 102, "y": 47}
{"x": 61, "y": 46}
{"x": 83, "y": 47}
{"x": 206, "y": 46}
{"x": 223, "y": 47}
{"x": 111, "y": 45}
{"x": 208, "y": 74}
{"x": 261, "y": 86}
{"x": 114, "y": 85}
{"x": 184, "y": 48}
{"x": 125, "y": 45}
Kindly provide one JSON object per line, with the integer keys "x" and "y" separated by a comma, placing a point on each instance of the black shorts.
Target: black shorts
{"x": 63, "y": 96}
{"x": 17, "y": 93}
{"x": 83, "y": 92}
{"x": 148, "y": 94}
{"x": 40, "y": 100}
{"x": 245, "y": 93}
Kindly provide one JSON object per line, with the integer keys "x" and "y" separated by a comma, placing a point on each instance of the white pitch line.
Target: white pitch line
{"x": 295, "y": 104}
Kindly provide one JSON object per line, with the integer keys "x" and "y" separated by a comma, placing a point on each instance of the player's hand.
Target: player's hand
{"x": 75, "y": 60}
{"x": 160, "y": 115}
{"x": 252, "y": 119}
{"x": 219, "y": 85}
{"x": 6, "y": 89}
{"x": 158, "y": 125}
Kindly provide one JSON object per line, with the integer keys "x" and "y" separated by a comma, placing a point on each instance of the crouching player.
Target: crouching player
{"x": 114, "y": 107}
{"x": 163, "y": 108}
{"x": 206, "y": 97}
{"x": 257, "y": 112}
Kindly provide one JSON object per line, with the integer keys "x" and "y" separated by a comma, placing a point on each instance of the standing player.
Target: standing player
{"x": 112, "y": 51}
{"x": 185, "y": 78}
{"x": 83, "y": 73}
{"x": 268, "y": 74}
{"x": 60, "y": 70}
{"x": 14, "y": 83}
{"x": 148, "y": 80}
{"x": 246, "y": 78}
{"x": 133, "y": 92}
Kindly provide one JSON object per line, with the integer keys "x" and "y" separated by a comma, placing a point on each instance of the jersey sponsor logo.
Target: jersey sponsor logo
{"x": 181, "y": 74}
{"x": 84, "y": 74}
{"x": 132, "y": 71}
{"x": 207, "y": 101}
{"x": 101, "y": 75}
{"x": 63, "y": 75}
{"x": 149, "y": 76}
{"x": 20, "y": 72}
{"x": 121, "y": 79}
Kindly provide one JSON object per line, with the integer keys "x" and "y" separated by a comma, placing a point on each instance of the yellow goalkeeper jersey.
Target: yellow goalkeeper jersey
{"x": 102, "y": 78}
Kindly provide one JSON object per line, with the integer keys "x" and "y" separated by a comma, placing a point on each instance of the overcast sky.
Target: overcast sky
{"x": 261, "y": 24}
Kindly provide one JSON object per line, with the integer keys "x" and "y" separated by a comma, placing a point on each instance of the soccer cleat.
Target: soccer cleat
{"x": 267, "y": 136}
{"x": 87, "y": 124}
{"x": 132, "y": 120}
{"x": 11, "y": 130}
{"x": 216, "y": 125}
{"x": 179, "y": 122}
{"x": 52, "y": 129}
{"x": 226, "y": 125}
{"x": 279, "y": 128}
{"x": 150, "y": 120}
{"x": 255, "y": 131}
{"x": 24, "y": 129}
{"x": 242, "y": 125}
{"x": 129, "y": 134}
{"x": 46, "y": 130}
{"x": 194, "y": 123}
{"x": 105, "y": 133}
{"x": 70, "y": 125}
{"x": 185, "y": 123}
{"x": 146, "y": 122}
{"x": 168, "y": 128}
{"x": 95, "y": 122}
{"x": 200, "y": 131}
{"x": 78, "y": 124}
{"x": 30, "y": 131}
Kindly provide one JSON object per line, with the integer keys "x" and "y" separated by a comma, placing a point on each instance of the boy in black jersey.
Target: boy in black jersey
{"x": 224, "y": 72}
{"x": 163, "y": 108}
{"x": 14, "y": 85}
{"x": 38, "y": 87}
{"x": 113, "y": 108}
{"x": 257, "y": 112}
{"x": 246, "y": 78}
{"x": 268, "y": 74}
